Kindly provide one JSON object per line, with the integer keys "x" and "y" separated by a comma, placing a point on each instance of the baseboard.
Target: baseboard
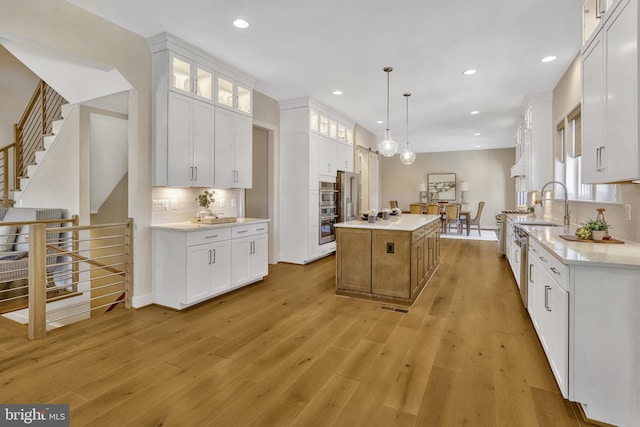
{"x": 142, "y": 300}
{"x": 580, "y": 411}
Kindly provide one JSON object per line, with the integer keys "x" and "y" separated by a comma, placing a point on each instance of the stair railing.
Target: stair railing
{"x": 43, "y": 108}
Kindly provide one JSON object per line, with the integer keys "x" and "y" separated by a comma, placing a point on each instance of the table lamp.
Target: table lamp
{"x": 422, "y": 189}
{"x": 464, "y": 186}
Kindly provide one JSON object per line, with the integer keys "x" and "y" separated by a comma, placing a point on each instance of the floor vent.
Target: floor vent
{"x": 398, "y": 310}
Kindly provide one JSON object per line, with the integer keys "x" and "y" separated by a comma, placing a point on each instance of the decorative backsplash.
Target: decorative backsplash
{"x": 182, "y": 204}
{"x": 615, "y": 212}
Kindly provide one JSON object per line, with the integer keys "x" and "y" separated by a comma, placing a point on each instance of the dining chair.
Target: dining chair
{"x": 476, "y": 221}
{"x": 415, "y": 208}
{"x": 393, "y": 204}
{"x": 453, "y": 217}
{"x": 433, "y": 210}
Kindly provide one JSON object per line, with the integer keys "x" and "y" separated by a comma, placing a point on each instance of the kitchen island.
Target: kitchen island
{"x": 388, "y": 260}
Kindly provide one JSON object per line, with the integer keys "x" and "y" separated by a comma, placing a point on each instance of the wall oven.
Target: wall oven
{"x": 328, "y": 215}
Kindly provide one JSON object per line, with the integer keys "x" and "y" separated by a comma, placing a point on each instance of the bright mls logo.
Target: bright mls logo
{"x": 34, "y": 415}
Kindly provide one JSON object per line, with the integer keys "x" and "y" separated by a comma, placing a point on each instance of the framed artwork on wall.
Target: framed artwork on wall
{"x": 442, "y": 186}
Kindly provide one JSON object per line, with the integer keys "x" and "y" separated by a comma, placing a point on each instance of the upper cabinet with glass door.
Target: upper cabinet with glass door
{"x": 330, "y": 127}
{"x": 188, "y": 77}
{"x": 233, "y": 94}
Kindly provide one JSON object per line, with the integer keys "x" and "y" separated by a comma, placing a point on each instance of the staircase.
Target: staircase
{"x": 36, "y": 131}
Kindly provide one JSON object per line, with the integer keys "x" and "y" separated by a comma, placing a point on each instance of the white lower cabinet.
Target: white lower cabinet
{"x": 548, "y": 306}
{"x": 249, "y": 258}
{"x": 192, "y": 266}
{"x": 208, "y": 270}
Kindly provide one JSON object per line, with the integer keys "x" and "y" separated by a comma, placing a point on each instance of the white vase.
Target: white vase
{"x": 538, "y": 211}
{"x": 597, "y": 234}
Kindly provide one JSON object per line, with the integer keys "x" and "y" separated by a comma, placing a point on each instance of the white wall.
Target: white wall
{"x": 70, "y": 29}
{"x": 486, "y": 171}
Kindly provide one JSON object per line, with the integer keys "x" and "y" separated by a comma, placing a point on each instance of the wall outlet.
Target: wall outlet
{"x": 160, "y": 205}
{"x": 627, "y": 212}
{"x": 221, "y": 202}
{"x": 173, "y": 204}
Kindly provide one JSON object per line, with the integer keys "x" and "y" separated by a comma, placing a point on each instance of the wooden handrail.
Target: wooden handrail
{"x": 28, "y": 136}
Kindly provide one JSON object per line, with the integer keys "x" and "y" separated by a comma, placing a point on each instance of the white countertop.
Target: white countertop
{"x": 625, "y": 255}
{"x": 192, "y": 226}
{"x": 404, "y": 222}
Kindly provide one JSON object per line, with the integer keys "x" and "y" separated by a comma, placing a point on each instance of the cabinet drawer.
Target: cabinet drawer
{"x": 249, "y": 230}
{"x": 552, "y": 265}
{"x": 208, "y": 236}
{"x": 418, "y": 234}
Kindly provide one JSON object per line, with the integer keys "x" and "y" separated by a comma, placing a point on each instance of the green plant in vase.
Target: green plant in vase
{"x": 596, "y": 228}
{"x": 205, "y": 199}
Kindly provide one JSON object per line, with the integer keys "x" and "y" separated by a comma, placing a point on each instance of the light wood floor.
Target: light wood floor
{"x": 287, "y": 351}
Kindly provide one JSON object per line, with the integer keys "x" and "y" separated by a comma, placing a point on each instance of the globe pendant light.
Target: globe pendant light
{"x": 407, "y": 156}
{"x": 388, "y": 147}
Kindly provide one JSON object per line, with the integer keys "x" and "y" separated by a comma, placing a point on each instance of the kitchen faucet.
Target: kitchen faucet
{"x": 566, "y": 201}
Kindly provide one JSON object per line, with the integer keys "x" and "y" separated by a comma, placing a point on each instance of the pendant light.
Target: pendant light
{"x": 388, "y": 147}
{"x": 407, "y": 156}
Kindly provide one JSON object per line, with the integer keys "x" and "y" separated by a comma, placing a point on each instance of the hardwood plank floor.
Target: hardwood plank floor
{"x": 288, "y": 351}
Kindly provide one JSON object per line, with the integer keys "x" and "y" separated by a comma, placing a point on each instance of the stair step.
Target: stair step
{"x": 48, "y": 141}
{"x": 56, "y": 125}
{"x": 66, "y": 109}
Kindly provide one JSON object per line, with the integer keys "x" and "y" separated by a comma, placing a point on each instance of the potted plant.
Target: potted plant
{"x": 597, "y": 227}
{"x": 205, "y": 199}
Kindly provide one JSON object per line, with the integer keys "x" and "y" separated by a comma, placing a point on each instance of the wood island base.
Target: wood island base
{"x": 388, "y": 261}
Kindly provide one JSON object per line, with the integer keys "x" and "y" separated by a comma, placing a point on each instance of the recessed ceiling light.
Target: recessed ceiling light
{"x": 476, "y": 134}
{"x": 337, "y": 92}
{"x": 469, "y": 72}
{"x": 474, "y": 112}
{"x": 380, "y": 122}
{"x": 549, "y": 58}
{"x": 240, "y": 23}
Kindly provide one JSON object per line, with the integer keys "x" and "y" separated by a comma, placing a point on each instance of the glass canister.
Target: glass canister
{"x": 600, "y": 217}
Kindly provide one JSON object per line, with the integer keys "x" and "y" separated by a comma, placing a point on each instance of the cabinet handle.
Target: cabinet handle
{"x": 260, "y": 229}
{"x": 211, "y": 237}
{"x": 242, "y": 231}
{"x": 546, "y": 298}
{"x": 214, "y": 255}
{"x": 542, "y": 259}
{"x": 191, "y": 179}
{"x": 555, "y": 271}
{"x": 209, "y": 256}
{"x": 196, "y": 168}
{"x": 531, "y": 273}
{"x": 602, "y": 164}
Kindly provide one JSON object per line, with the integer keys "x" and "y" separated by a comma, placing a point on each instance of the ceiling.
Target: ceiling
{"x": 297, "y": 48}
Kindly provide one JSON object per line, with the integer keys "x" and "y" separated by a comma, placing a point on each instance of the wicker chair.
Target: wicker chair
{"x": 453, "y": 217}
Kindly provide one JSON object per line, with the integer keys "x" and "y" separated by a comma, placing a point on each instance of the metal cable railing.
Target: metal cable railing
{"x": 69, "y": 273}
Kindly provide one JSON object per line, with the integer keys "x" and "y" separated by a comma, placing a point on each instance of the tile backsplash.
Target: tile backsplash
{"x": 628, "y": 196}
{"x": 182, "y": 204}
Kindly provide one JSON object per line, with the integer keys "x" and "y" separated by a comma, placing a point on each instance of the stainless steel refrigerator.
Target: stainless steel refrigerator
{"x": 348, "y": 189}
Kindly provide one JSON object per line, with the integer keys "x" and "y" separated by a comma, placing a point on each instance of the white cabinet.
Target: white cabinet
{"x": 208, "y": 270}
{"x": 249, "y": 258}
{"x": 610, "y": 98}
{"x": 190, "y": 266}
{"x": 190, "y": 78}
{"x": 233, "y": 94}
{"x": 189, "y": 89}
{"x": 344, "y": 161}
{"x": 548, "y": 306}
{"x": 233, "y": 149}
{"x": 190, "y": 132}
{"x": 606, "y": 343}
{"x": 314, "y": 144}
{"x": 534, "y": 144}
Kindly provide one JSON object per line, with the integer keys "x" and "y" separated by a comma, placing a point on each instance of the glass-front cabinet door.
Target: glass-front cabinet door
{"x": 233, "y": 95}
{"x": 244, "y": 99}
{"x": 188, "y": 77}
